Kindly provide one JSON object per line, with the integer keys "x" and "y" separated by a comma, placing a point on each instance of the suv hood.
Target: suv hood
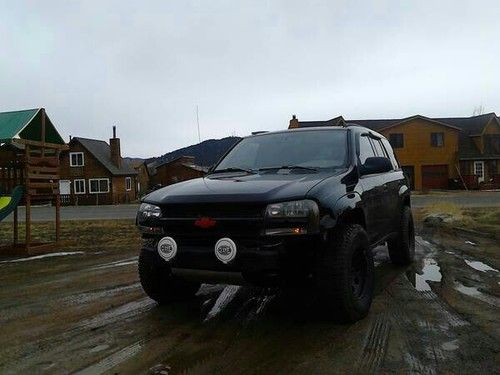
{"x": 239, "y": 188}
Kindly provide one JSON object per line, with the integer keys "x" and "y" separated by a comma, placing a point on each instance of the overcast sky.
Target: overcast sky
{"x": 248, "y": 65}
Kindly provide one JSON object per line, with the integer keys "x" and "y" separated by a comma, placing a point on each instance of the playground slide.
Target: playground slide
{"x": 9, "y": 203}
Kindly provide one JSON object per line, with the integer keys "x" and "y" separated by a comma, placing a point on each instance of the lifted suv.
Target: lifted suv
{"x": 304, "y": 205}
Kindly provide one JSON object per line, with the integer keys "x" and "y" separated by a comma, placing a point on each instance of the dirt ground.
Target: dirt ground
{"x": 84, "y": 312}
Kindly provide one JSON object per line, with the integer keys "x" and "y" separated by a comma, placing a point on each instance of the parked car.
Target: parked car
{"x": 304, "y": 205}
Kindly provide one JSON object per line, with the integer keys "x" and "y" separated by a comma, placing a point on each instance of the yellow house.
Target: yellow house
{"x": 427, "y": 149}
{"x": 438, "y": 153}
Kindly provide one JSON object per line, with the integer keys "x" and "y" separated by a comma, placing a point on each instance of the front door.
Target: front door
{"x": 479, "y": 170}
{"x": 373, "y": 192}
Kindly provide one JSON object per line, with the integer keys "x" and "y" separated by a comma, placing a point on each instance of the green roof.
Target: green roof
{"x": 27, "y": 124}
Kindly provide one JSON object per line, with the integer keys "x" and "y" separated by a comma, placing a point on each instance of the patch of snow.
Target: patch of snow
{"x": 99, "y": 348}
{"x": 450, "y": 345}
{"x": 480, "y": 266}
{"x": 470, "y": 243}
{"x": 467, "y": 290}
{"x": 36, "y": 257}
{"x": 223, "y": 300}
{"x": 117, "y": 263}
{"x": 264, "y": 303}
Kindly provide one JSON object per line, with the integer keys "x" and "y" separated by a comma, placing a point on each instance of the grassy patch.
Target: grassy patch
{"x": 85, "y": 234}
{"x": 485, "y": 219}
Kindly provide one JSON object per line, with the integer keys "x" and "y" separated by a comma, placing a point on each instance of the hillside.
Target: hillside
{"x": 205, "y": 153}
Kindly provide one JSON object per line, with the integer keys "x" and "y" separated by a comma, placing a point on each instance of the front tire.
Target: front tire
{"x": 402, "y": 248}
{"x": 345, "y": 275}
{"x": 158, "y": 282}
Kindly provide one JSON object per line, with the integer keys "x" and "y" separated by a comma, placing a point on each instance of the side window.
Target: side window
{"x": 379, "y": 149}
{"x": 365, "y": 149}
{"x": 390, "y": 152}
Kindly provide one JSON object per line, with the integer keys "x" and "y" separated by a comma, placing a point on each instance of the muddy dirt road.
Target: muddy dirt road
{"x": 85, "y": 312}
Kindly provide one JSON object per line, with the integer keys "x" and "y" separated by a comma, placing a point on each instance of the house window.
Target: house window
{"x": 98, "y": 185}
{"x": 79, "y": 186}
{"x": 479, "y": 170}
{"x": 396, "y": 140}
{"x": 437, "y": 139}
{"x": 128, "y": 183}
{"x": 76, "y": 159}
{"x": 495, "y": 144}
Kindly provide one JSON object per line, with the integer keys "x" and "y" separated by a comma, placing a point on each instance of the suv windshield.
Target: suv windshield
{"x": 315, "y": 149}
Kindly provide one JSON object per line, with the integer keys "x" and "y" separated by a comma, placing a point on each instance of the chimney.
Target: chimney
{"x": 114, "y": 144}
{"x": 294, "y": 123}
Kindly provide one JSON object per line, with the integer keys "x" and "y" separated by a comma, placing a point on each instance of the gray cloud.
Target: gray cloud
{"x": 249, "y": 65}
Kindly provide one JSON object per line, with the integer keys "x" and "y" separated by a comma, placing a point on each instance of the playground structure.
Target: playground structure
{"x": 29, "y": 172}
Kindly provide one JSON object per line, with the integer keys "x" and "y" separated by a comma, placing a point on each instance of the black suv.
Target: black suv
{"x": 304, "y": 205}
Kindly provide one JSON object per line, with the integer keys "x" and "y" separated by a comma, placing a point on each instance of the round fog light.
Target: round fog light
{"x": 167, "y": 248}
{"x": 225, "y": 250}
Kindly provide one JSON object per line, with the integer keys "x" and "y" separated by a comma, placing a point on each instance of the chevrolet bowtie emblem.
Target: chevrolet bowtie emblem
{"x": 205, "y": 222}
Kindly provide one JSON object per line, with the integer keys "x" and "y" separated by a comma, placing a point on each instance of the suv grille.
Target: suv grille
{"x": 238, "y": 221}
{"x": 213, "y": 210}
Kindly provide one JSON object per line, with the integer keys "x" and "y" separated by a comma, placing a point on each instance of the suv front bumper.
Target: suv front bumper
{"x": 268, "y": 256}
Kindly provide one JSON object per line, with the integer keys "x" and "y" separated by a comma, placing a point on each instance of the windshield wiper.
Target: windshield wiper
{"x": 289, "y": 167}
{"x": 233, "y": 169}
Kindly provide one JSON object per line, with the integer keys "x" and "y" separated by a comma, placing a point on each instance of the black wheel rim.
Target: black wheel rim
{"x": 359, "y": 272}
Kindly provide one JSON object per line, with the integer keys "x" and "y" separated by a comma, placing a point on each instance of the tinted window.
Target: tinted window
{"x": 390, "y": 152}
{"x": 315, "y": 148}
{"x": 365, "y": 149}
{"x": 379, "y": 150}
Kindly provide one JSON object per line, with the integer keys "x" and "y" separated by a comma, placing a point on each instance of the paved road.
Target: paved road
{"x": 461, "y": 198}
{"x": 45, "y": 213}
{"x": 128, "y": 211}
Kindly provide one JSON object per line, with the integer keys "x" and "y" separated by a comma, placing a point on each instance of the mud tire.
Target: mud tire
{"x": 158, "y": 282}
{"x": 402, "y": 248}
{"x": 338, "y": 299}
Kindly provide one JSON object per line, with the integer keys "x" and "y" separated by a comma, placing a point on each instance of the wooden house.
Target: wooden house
{"x": 438, "y": 153}
{"x": 173, "y": 171}
{"x": 94, "y": 173}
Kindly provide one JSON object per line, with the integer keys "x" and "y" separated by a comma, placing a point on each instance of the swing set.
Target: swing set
{"x": 29, "y": 173}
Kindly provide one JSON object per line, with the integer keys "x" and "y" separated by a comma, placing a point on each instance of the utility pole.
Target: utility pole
{"x": 198, "y": 122}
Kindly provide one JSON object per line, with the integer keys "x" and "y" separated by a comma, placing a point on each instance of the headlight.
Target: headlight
{"x": 147, "y": 211}
{"x": 293, "y": 209}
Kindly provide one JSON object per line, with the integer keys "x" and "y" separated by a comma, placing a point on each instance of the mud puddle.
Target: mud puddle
{"x": 479, "y": 266}
{"x": 430, "y": 272}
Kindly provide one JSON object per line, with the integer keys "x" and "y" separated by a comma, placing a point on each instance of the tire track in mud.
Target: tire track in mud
{"x": 423, "y": 340}
{"x": 49, "y": 347}
{"x": 120, "y": 313}
{"x": 375, "y": 346}
{"x": 423, "y": 321}
{"x": 452, "y": 318}
{"x": 113, "y": 360}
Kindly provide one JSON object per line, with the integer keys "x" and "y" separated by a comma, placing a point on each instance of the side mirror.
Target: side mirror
{"x": 375, "y": 165}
